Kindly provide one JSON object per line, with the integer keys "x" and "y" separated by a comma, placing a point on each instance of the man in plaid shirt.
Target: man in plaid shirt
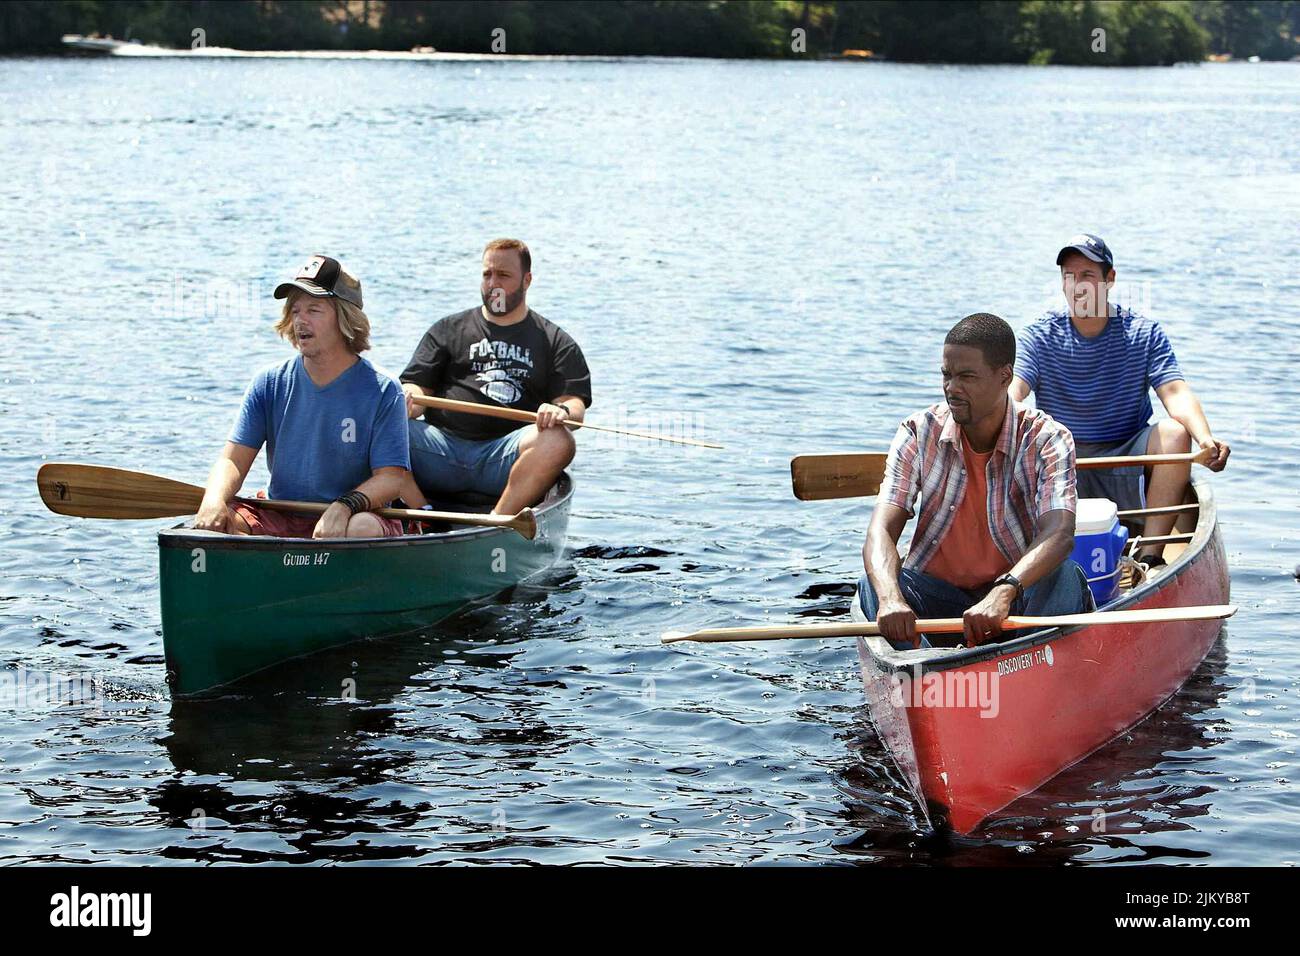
{"x": 997, "y": 500}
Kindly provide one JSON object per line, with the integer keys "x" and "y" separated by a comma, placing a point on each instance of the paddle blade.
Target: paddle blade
{"x": 525, "y": 523}
{"x": 819, "y": 477}
{"x": 94, "y": 491}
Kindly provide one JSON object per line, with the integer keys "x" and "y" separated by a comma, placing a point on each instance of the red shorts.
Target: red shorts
{"x": 286, "y": 524}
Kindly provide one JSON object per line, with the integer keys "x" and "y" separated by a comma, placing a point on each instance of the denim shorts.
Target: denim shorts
{"x": 1124, "y": 486}
{"x": 445, "y": 464}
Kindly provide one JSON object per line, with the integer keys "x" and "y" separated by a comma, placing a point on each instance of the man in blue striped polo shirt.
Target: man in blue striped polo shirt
{"x": 1092, "y": 369}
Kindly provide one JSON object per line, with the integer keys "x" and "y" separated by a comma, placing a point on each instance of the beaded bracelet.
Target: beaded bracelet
{"x": 355, "y": 500}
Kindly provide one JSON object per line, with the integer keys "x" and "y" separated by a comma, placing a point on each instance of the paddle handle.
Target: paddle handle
{"x": 1183, "y": 538}
{"x": 1125, "y": 461}
{"x": 1166, "y": 510}
{"x": 520, "y": 415}
{"x": 954, "y": 625}
{"x": 859, "y": 474}
{"x": 474, "y": 408}
{"x": 97, "y": 491}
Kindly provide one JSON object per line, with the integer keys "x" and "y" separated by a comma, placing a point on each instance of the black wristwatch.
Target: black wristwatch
{"x": 1014, "y": 582}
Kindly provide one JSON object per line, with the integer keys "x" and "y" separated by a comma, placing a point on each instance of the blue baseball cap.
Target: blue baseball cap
{"x": 1091, "y": 246}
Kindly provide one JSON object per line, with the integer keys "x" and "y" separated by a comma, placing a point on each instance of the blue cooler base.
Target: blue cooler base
{"x": 1098, "y": 553}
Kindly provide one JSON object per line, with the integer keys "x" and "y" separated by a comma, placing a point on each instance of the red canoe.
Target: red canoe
{"x": 973, "y": 729}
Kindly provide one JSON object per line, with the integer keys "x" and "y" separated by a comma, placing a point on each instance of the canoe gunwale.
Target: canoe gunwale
{"x": 181, "y": 536}
{"x": 891, "y": 660}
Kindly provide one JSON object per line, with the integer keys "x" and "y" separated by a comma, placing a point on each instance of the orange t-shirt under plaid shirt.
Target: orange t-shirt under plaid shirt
{"x": 967, "y": 556}
{"x": 1029, "y": 473}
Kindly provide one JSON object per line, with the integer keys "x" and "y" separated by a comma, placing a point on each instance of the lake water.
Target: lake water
{"x": 767, "y": 253}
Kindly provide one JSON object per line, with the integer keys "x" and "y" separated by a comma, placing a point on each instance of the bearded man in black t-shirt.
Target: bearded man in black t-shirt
{"x": 504, "y": 354}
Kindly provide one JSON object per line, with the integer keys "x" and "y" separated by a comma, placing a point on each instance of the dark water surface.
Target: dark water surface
{"x": 768, "y": 253}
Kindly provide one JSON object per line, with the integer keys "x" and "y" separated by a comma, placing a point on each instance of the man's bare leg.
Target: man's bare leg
{"x": 1166, "y": 484}
{"x": 365, "y": 525}
{"x": 542, "y": 456}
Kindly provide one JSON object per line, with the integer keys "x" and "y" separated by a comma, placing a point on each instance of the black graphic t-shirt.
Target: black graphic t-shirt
{"x": 470, "y": 359}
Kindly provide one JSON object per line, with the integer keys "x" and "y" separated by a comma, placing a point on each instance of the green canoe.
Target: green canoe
{"x": 233, "y": 605}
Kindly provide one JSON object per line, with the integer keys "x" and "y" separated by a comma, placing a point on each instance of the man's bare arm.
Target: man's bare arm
{"x": 549, "y": 415}
{"x": 1185, "y": 408}
{"x": 381, "y": 487}
{"x": 410, "y": 389}
{"x": 224, "y": 481}
{"x": 1051, "y": 546}
{"x": 880, "y": 558}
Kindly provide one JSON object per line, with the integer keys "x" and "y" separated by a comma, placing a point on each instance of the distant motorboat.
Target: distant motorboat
{"x": 95, "y": 44}
{"x": 108, "y": 46}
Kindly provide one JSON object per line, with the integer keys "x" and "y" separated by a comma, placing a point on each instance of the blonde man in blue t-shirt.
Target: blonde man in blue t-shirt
{"x": 1092, "y": 368}
{"x": 334, "y": 426}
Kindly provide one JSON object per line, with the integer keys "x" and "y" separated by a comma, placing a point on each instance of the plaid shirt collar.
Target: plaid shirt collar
{"x": 951, "y": 431}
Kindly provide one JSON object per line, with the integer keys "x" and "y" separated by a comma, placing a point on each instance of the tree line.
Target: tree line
{"x": 1092, "y": 32}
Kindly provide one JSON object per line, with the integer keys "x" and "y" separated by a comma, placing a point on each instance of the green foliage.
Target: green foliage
{"x": 953, "y": 31}
{"x": 1075, "y": 32}
{"x": 36, "y": 26}
{"x": 1160, "y": 33}
{"x": 963, "y": 31}
{"x": 1267, "y": 29}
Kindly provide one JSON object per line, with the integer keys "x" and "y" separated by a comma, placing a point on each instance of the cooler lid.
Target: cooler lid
{"x": 1095, "y": 516}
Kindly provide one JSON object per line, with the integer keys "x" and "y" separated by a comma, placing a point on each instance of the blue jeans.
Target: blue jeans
{"x": 1064, "y": 591}
{"x": 444, "y": 464}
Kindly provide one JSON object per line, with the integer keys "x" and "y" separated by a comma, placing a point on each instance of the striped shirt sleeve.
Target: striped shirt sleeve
{"x": 1056, "y": 478}
{"x": 902, "y": 481}
{"x": 1027, "y": 358}
{"x": 1162, "y": 365}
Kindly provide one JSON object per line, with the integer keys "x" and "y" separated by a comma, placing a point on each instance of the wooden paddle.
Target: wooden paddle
{"x": 95, "y": 491}
{"x": 1137, "y": 543}
{"x": 1166, "y": 510}
{"x": 952, "y": 625}
{"x": 818, "y": 477}
{"x": 519, "y": 415}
